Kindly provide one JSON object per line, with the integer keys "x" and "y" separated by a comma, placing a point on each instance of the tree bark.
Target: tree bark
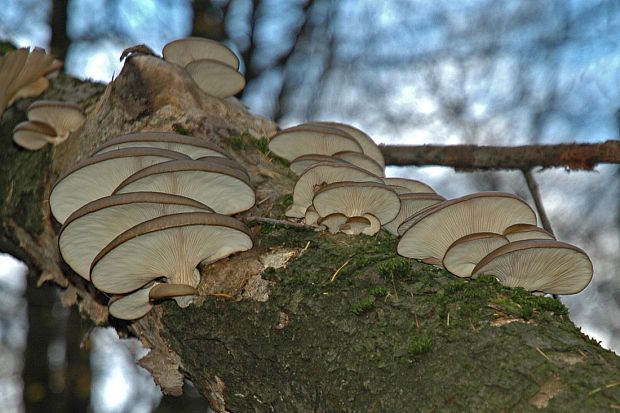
{"x": 60, "y": 41}
{"x": 305, "y": 321}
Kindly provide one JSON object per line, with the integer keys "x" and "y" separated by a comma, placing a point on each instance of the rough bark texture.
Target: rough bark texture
{"x": 305, "y": 321}
{"x": 574, "y": 156}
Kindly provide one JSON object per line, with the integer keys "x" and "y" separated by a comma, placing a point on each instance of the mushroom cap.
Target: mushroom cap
{"x": 216, "y": 78}
{"x": 369, "y": 147}
{"x": 171, "y": 247}
{"x": 323, "y": 173}
{"x": 361, "y": 160}
{"x": 62, "y": 116}
{"x": 519, "y": 232}
{"x": 226, "y": 190}
{"x": 300, "y": 164}
{"x": 311, "y": 217}
{"x": 333, "y": 222}
{"x": 32, "y": 89}
{"x": 367, "y": 224}
{"x": 32, "y": 135}
{"x": 407, "y": 223}
{"x": 89, "y": 229}
{"x": 413, "y": 185}
{"x": 225, "y": 162}
{"x": 354, "y": 199}
{"x": 189, "y": 49}
{"x": 547, "y": 266}
{"x": 96, "y": 177}
{"x": 433, "y": 231}
{"x": 411, "y": 204}
{"x": 301, "y": 140}
{"x": 189, "y": 145}
{"x": 132, "y": 306}
{"x": 164, "y": 290}
{"x": 464, "y": 253}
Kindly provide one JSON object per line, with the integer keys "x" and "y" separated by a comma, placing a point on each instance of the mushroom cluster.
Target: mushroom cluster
{"x": 144, "y": 210}
{"x": 213, "y": 66}
{"x": 342, "y": 185}
{"x": 49, "y": 121}
{"x": 25, "y": 73}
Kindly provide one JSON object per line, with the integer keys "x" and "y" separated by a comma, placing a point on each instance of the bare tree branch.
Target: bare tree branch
{"x": 532, "y": 185}
{"x": 574, "y": 156}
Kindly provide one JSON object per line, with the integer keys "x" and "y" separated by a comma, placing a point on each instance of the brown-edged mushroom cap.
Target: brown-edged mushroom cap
{"x": 226, "y": 190}
{"x": 432, "y": 232}
{"x": 407, "y": 223}
{"x": 301, "y": 140}
{"x": 189, "y": 145}
{"x": 413, "y": 185}
{"x": 62, "y": 116}
{"x": 361, "y": 160}
{"x": 354, "y": 199}
{"x": 546, "y": 266}
{"x": 132, "y": 306}
{"x": 99, "y": 176}
{"x": 369, "y": 147}
{"x": 216, "y": 78}
{"x": 519, "y": 232}
{"x": 411, "y": 204}
{"x": 301, "y": 164}
{"x": 169, "y": 247}
{"x": 367, "y": 224}
{"x": 319, "y": 175}
{"x": 464, "y": 253}
{"x": 89, "y": 229}
{"x": 333, "y": 222}
{"x": 33, "y": 135}
{"x": 189, "y": 49}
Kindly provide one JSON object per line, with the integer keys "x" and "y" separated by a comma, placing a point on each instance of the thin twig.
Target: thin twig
{"x": 543, "y": 354}
{"x": 273, "y": 221}
{"x": 335, "y": 274}
{"x": 532, "y": 185}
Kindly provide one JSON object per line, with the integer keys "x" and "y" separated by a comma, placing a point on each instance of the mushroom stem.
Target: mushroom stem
{"x": 532, "y": 185}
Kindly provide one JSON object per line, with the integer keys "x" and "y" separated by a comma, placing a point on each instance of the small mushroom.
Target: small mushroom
{"x": 464, "y": 253}
{"x": 216, "y": 78}
{"x": 300, "y": 164}
{"x": 33, "y": 135}
{"x": 410, "y": 204}
{"x": 100, "y": 175}
{"x": 138, "y": 303}
{"x": 333, "y": 222}
{"x": 189, "y": 49}
{"x": 361, "y": 160}
{"x": 413, "y": 185}
{"x": 189, "y": 145}
{"x": 311, "y": 217}
{"x": 62, "y": 116}
{"x": 168, "y": 247}
{"x": 367, "y": 224}
{"x": 432, "y": 232}
{"x": 546, "y": 266}
{"x": 519, "y": 232}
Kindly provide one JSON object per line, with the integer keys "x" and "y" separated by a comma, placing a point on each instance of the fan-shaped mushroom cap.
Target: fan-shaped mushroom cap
{"x": 547, "y": 266}
{"x": 189, "y": 49}
{"x": 367, "y": 224}
{"x": 31, "y": 90}
{"x": 189, "y": 145}
{"x": 170, "y": 247}
{"x": 333, "y": 222}
{"x": 226, "y": 190}
{"x": 301, "y": 140}
{"x": 32, "y": 135}
{"x": 99, "y": 176}
{"x": 89, "y": 229}
{"x": 321, "y": 174}
{"x": 361, "y": 160}
{"x": 300, "y": 164}
{"x": 464, "y": 253}
{"x": 62, "y": 116}
{"x": 226, "y": 162}
{"x": 354, "y": 199}
{"x": 407, "y": 223}
{"x": 132, "y": 306}
{"x": 432, "y": 232}
{"x": 519, "y": 232}
{"x": 216, "y": 78}
{"x": 411, "y": 204}
{"x": 413, "y": 185}
{"x": 369, "y": 147}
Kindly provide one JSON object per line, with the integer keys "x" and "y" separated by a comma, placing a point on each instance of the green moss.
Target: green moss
{"x": 419, "y": 344}
{"x": 395, "y": 268}
{"x": 180, "y": 129}
{"x": 6, "y": 47}
{"x": 262, "y": 144}
{"x": 378, "y": 292}
{"x": 363, "y": 306}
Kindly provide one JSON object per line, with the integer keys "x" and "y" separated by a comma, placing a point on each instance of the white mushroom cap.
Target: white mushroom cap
{"x": 369, "y": 147}
{"x": 171, "y": 247}
{"x": 333, "y": 222}
{"x": 62, "y": 116}
{"x": 189, "y": 49}
{"x": 432, "y": 232}
{"x": 354, "y": 199}
{"x": 33, "y": 135}
{"x": 301, "y": 140}
{"x": 411, "y": 204}
{"x": 300, "y": 164}
{"x": 89, "y": 229}
{"x": 227, "y": 190}
{"x": 407, "y": 223}
{"x": 361, "y": 160}
{"x": 413, "y": 185}
{"x": 99, "y": 176}
{"x": 216, "y": 78}
{"x": 311, "y": 217}
{"x": 519, "y": 232}
{"x": 547, "y": 266}
{"x": 138, "y": 303}
{"x": 367, "y": 224}
{"x": 189, "y": 145}
{"x": 321, "y": 174}
{"x": 464, "y": 253}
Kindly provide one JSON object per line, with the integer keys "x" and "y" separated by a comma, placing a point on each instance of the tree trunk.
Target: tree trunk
{"x": 305, "y": 321}
{"x": 60, "y": 41}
